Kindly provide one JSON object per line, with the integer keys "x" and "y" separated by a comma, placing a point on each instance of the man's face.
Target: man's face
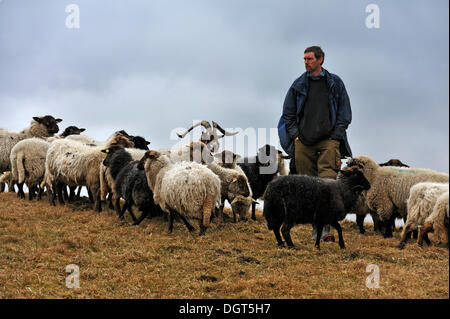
{"x": 311, "y": 63}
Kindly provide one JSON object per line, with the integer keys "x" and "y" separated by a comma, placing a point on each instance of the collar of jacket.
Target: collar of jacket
{"x": 302, "y": 83}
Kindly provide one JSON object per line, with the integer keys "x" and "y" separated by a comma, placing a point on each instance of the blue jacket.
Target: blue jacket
{"x": 341, "y": 113}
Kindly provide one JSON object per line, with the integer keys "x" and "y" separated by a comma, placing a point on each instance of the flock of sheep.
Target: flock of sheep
{"x": 194, "y": 181}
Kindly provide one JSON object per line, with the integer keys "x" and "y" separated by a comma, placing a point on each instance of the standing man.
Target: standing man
{"x": 316, "y": 114}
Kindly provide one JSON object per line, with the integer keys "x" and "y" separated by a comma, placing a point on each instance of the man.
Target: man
{"x": 316, "y": 114}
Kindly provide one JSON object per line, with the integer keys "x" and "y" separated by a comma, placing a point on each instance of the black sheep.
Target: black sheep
{"x": 139, "y": 142}
{"x": 301, "y": 199}
{"x": 130, "y": 183}
{"x": 260, "y": 170}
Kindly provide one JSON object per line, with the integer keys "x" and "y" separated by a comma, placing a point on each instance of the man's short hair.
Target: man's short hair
{"x": 318, "y": 52}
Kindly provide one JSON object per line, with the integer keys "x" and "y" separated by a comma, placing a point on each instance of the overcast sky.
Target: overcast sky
{"x": 150, "y": 67}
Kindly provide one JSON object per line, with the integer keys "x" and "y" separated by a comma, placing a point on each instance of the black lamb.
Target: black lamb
{"x": 260, "y": 170}
{"x": 301, "y": 199}
{"x": 130, "y": 183}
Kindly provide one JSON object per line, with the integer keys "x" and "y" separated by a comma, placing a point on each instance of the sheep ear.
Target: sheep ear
{"x": 58, "y": 120}
{"x": 37, "y": 119}
{"x": 105, "y": 150}
{"x": 285, "y": 157}
{"x": 82, "y": 130}
{"x": 147, "y": 143}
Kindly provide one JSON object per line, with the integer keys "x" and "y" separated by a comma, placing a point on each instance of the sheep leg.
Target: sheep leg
{"x": 117, "y": 207}
{"x": 319, "y": 228}
{"x": 79, "y": 191}
{"x": 276, "y": 231}
{"x": 130, "y": 205}
{"x": 110, "y": 201}
{"x": 39, "y": 196}
{"x": 66, "y": 195}
{"x": 414, "y": 234}
{"x": 186, "y": 222}
{"x": 20, "y": 192}
{"x": 141, "y": 218}
{"x": 388, "y": 226}
{"x": 221, "y": 211}
{"x": 360, "y": 222}
{"x": 2, "y": 187}
{"x": 202, "y": 229}
{"x": 427, "y": 240}
{"x": 97, "y": 203}
{"x": 51, "y": 196}
{"x": 91, "y": 198}
{"x": 405, "y": 236}
{"x": 253, "y": 211}
{"x": 338, "y": 227}
{"x": 285, "y": 230}
{"x": 72, "y": 193}
{"x": 59, "y": 192}
{"x": 31, "y": 192}
{"x": 122, "y": 211}
{"x": 171, "y": 218}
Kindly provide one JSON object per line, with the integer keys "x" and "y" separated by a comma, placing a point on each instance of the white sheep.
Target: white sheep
{"x": 438, "y": 221}
{"x": 422, "y": 198}
{"x": 184, "y": 189}
{"x": 234, "y": 187}
{"x": 28, "y": 164}
{"x": 44, "y": 126}
{"x": 390, "y": 187}
{"x": 73, "y": 163}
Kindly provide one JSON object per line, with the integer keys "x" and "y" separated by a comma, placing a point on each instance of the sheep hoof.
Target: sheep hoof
{"x": 318, "y": 247}
{"x": 401, "y": 245}
{"x": 292, "y": 247}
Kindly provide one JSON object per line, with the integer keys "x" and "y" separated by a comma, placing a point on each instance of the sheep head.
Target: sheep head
{"x": 394, "y": 162}
{"x": 49, "y": 122}
{"x": 109, "y": 153}
{"x": 355, "y": 178}
{"x": 72, "y": 130}
{"x": 240, "y": 205}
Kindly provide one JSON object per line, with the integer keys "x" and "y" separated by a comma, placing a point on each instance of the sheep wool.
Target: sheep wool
{"x": 422, "y": 199}
{"x": 390, "y": 187}
{"x": 437, "y": 221}
{"x": 188, "y": 188}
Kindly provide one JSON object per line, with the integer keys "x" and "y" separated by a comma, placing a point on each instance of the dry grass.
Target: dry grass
{"x": 116, "y": 260}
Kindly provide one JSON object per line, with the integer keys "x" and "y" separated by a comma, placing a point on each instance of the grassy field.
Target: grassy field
{"x": 116, "y": 260}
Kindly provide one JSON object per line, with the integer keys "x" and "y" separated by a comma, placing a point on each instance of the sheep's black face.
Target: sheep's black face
{"x": 140, "y": 143}
{"x": 50, "y": 123}
{"x": 72, "y": 130}
{"x": 109, "y": 154}
{"x": 356, "y": 179}
{"x": 359, "y": 181}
